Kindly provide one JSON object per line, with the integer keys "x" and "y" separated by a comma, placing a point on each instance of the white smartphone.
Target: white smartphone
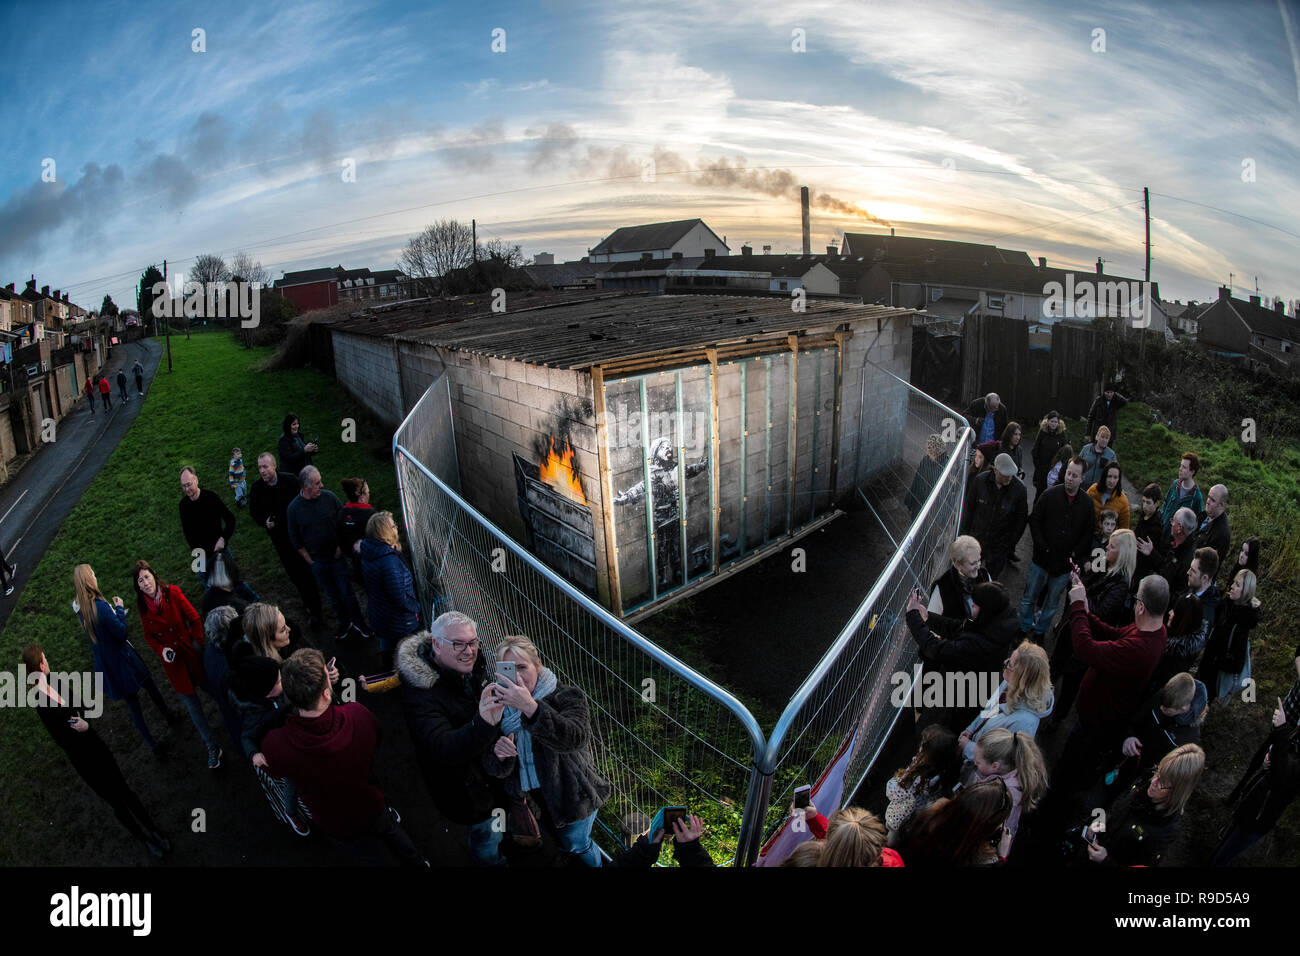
{"x": 506, "y": 670}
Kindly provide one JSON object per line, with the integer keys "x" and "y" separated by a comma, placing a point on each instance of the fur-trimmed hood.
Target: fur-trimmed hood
{"x": 414, "y": 662}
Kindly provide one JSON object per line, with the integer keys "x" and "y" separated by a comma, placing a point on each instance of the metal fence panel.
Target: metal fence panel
{"x": 662, "y": 734}
{"x": 850, "y": 695}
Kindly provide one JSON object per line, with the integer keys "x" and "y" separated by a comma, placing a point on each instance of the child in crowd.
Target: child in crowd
{"x": 1106, "y": 523}
{"x": 930, "y": 775}
{"x": 1149, "y": 531}
{"x": 237, "y": 478}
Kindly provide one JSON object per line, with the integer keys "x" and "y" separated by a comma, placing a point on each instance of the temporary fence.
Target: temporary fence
{"x": 663, "y": 733}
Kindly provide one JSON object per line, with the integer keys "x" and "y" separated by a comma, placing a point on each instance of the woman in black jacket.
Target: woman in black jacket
{"x": 1145, "y": 821}
{"x": 979, "y": 644}
{"x": 1051, "y": 439}
{"x": 1226, "y": 663}
{"x": 90, "y": 756}
{"x": 544, "y": 751}
{"x": 1264, "y": 793}
{"x": 950, "y": 594}
{"x": 295, "y": 453}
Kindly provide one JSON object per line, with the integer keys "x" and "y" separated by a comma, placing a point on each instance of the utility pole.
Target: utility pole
{"x": 168, "y": 335}
{"x": 473, "y": 231}
{"x": 1146, "y": 210}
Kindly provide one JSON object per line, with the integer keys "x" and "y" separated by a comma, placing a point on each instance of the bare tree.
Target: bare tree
{"x": 512, "y": 257}
{"x": 441, "y": 247}
{"x": 209, "y": 268}
{"x": 245, "y": 267}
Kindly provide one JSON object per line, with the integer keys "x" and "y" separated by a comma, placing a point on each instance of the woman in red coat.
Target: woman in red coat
{"x": 173, "y": 629}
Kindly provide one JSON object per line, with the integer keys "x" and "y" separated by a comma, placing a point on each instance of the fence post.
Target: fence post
{"x": 755, "y": 814}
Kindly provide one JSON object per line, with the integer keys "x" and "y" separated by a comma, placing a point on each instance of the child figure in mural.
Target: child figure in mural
{"x": 667, "y": 511}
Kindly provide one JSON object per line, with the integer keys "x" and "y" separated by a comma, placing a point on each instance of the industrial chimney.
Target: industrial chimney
{"x": 807, "y": 239}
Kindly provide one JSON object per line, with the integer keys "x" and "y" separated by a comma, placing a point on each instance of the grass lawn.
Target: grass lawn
{"x": 1262, "y": 503}
{"x": 214, "y": 399}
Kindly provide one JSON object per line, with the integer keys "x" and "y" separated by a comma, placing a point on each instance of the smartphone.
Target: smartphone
{"x": 504, "y": 670}
{"x": 1089, "y": 834}
{"x": 664, "y": 819}
{"x": 802, "y": 797}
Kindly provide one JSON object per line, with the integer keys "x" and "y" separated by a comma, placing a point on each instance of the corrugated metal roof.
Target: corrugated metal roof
{"x": 600, "y": 329}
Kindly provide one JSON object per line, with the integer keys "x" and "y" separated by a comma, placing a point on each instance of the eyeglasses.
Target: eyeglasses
{"x": 460, "y": 647}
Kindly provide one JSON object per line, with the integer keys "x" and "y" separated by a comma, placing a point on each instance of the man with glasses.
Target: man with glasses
{"x": 453, "y": 714}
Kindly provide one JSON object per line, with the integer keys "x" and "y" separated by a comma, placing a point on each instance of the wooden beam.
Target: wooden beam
{"x": 841, "y": 338}
{"x": 714, "y": 464}
{"x": 792, "y": 445}
{"x": 606, "y": 490}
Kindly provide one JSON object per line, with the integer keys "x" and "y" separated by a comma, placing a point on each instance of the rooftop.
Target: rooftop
{"x": 581, "y": 330}
{"x": 655, "y": 235}
{"x": 918, "y": 249}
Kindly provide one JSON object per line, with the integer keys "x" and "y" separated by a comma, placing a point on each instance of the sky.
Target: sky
{"x": 328, "y": 133}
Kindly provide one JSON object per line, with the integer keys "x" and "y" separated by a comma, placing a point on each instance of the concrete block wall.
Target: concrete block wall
{"x": 367, "y": 367}
{"x": 873, "y": 419}
{"x": 68, "y": 386}
{"x": 502, "y": 408}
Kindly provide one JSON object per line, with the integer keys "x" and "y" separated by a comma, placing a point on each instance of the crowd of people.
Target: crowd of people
{"x": 503, "y": 746}
{"x": 1148, "y": 640}
{"x": 1152, "y": 635}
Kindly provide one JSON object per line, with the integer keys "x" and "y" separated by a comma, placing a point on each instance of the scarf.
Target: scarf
{"x": 512, "y": 722}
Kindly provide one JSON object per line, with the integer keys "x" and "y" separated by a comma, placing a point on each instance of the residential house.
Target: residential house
{"x": 321, "y": 288}
{"x": 950, "y": 289}
{"x": 684, "y": 238}
{"x": 1250, "y": 332}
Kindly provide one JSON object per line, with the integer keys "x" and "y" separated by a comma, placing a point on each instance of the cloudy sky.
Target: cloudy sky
{"x": 1030, "y": 125}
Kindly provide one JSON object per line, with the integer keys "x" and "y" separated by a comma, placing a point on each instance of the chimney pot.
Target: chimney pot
{"x": 746, "y": 251}
{"x": 1042, "y": 262}
{"x": 1099, "y": 265}
{"x": 832, "y": 251}
{"x": 1278, "y": 306}
{"x": 45, "y": 290}
{"x": 1254, "y": 300}
{"x": 1224, "y": 293}
{"x": 891, "y": 230}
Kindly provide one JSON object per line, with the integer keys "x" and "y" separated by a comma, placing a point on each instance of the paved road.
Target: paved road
{"x": 35, "y": 503}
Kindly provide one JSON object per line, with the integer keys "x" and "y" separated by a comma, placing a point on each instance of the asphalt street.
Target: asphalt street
{"x": 35, "y": 503}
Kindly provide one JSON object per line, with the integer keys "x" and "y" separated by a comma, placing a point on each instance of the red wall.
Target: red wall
{"x": 312, "y": 295}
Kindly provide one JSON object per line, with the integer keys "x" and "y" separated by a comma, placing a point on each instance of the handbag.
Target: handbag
{"x": 521, "y": 823}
